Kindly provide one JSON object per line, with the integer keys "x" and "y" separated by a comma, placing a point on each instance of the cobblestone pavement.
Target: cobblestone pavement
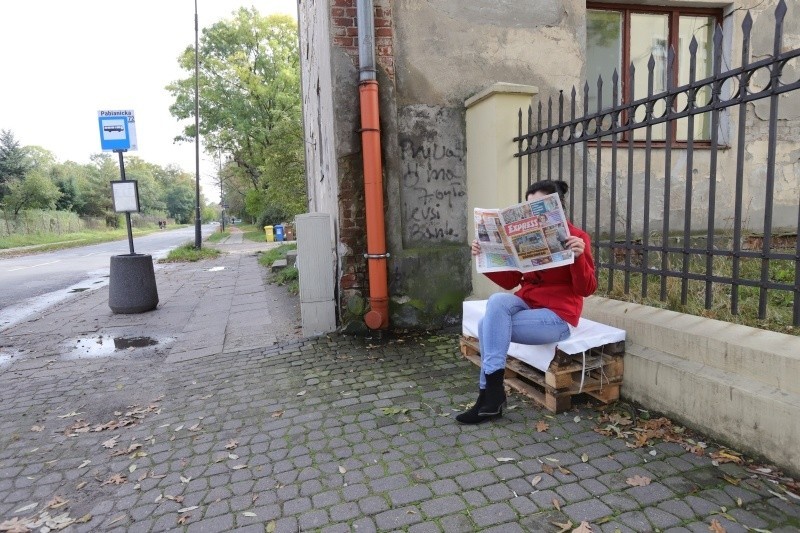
{"x": 334, "y": 434}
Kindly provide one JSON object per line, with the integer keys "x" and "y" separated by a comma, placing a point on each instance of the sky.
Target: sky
{"x": 65, "y": 61}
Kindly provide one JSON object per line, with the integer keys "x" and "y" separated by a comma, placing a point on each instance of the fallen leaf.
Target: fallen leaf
{"x": 26, "y": 508}
{"x": 301, "y": 393}
{"x": 69, "y": 415}
{"x": 342, "y": 469}
{"x": 80, "y": 485}
{"x": 56, "y": 502}
{"x": 505, "y": 459}
{"x": 585, "y": 457}
{"x": 183, "y": 519}
{"x": 739, "y": 502}
{"x": 116, "y": 479}
{"x": 132, "y": 469}
{"x": 37, "y": 428}
{"x": 179, "y": 428}
{"x": 535, "y": 481}
{"x": 277, "y": 414}
{"x": 187, "y": 509}
{"x": 250, "y": 514}
{"x": 110, "y": 443}
{"x": 232, "y": 456}
{"x": 85, "y": 518}
{"x": 716, "y": 527}
{"x": 84, "y": 464}
{"x": 585, "y": 527}
{"x": 638, "y": 481}
{"x": 232, "y": 444}
{"x": 271, "y": 527}
{"x": 117, "y": 519}
{"x": 185, "y": 479}
{"x": 564, "y": 471}
{"x": 15, "y": 525}
{"x": 547, "y": 469}
{"x": 158, "y": 498}
{"x": 239, "y": 467}
{"x": 563, "y": 528}
{"x": 542, "y": 426}
{"x": 195, "y": 427}
{"x": 556, "y": 504}
{"x": 576, "y": 419}
{"x": 730, "y": 479}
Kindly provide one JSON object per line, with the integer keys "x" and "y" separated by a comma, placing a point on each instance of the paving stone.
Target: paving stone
{"x": 650, "y": 494}
{"x": 212, "y": 525}
{"x": 397, "y": 518}
{"x": 497, "y": 513}
{"x": 573, "y": 492}
{"x": 588, "y": 510}
{"x": 661, "y": 519}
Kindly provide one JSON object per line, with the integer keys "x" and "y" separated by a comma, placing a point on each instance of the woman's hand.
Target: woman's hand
{"x": 476, "y": 247}
{"x": 575, "y": 244}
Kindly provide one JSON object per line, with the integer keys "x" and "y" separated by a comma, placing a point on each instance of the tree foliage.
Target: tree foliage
{"x": 250, "y": 109}
{"x": 35, "y": 179}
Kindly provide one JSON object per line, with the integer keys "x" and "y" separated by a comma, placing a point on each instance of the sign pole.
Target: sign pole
{"x": 127, "y": 213}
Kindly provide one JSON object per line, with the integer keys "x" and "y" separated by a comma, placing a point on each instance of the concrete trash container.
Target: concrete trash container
{"x": 269, "y": 234}
{"x": 279, "y": 232}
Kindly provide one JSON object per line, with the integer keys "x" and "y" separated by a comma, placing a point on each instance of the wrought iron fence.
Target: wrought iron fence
{"x": 649, "y": 251}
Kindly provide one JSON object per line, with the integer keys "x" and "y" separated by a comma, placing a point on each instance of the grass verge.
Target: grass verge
{"x": 779, "y": 304}
{"x": 253, "y": 233}
{"x": 288, "y": 276}
{"x": 218, "y": 236}
{"x": 20, "y": 244}
{"x": 187, "y": 253}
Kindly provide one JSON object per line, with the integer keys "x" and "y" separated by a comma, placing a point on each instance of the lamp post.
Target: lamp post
{"x": 198, "y": 239}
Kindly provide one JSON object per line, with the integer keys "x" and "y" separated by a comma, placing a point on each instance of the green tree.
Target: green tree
{"x": 35, "y": 190}
{"x": 250, "y": 107}
{"x": 13, "y": 162}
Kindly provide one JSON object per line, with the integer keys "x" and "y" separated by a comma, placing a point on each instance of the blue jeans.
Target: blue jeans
{"x": 509, "y": 319}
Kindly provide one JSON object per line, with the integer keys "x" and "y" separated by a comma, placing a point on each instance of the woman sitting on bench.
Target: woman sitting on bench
{"x": 544, "y": 310}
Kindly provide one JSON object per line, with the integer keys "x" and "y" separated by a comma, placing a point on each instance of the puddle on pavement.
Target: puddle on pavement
{"x": 108, "y": 345}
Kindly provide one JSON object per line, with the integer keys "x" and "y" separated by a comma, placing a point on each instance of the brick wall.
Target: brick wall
{"x": 352, "y": 218}
{"x": 345, "y": 32}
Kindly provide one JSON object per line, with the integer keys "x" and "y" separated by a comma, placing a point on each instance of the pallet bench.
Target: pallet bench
{"x": 589, "y": 362}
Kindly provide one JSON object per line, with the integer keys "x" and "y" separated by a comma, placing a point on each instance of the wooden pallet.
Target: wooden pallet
{"x": 564, "y": 378}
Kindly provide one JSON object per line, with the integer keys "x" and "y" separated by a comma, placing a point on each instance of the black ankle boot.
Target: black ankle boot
{"x": 470, "y": 416}
{"x": 495, "y": 395}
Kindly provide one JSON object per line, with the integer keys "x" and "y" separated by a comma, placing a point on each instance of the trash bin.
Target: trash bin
{"x": 279, "y": 232}
{"x": 288, "y": 232}
{"x": 268, "y": 232}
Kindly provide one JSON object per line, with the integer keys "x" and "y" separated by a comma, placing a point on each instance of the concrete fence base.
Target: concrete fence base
{"x": 735, "y": 383}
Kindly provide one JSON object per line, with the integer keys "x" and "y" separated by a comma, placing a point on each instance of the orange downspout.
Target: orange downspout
{"x": 378, "y": 315}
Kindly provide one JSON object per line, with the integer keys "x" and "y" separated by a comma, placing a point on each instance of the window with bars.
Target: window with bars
{"x": 621, "y": 35}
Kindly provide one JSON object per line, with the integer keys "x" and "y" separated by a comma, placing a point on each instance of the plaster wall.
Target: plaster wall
{"x": 318, "y": 116}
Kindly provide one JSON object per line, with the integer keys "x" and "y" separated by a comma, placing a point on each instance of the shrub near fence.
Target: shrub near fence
{"x": 37, "y": 221}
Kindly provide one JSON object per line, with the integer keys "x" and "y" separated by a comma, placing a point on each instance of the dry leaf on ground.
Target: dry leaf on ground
{"x": 183, "y": 519}
{"x": 556, "y": 504}
{"x": 232, "y": 444}
{"x": 542, "y": 426}
{"x": 15, "y": 525}
{"x": 110, "y": 443}
{"x": 535, "y": 481}
{"x": 547, "y": 469}
{"x": 638, "y": 481}
{"x": 56, "y": 502}
{"x": 585, "y": 527}
{"x": 716, "y": 527}
{"x": 563, "y": 528}
{"x": 37, "y": 428}
{"x": 116, "y": 479}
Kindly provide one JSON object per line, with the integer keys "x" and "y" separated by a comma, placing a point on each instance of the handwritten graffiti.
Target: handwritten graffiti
{"x": 434, "y": 193}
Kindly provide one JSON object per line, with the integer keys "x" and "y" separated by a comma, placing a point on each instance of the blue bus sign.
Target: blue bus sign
{"x": 116, "y": 130}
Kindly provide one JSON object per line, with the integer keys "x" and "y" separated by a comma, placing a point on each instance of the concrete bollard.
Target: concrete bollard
{"x": 132, "y": 284}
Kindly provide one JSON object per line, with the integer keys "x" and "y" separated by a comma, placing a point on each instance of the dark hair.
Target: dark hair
{"x": 549, "y": 187}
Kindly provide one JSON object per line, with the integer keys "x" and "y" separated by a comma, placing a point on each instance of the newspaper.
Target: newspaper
{"x": 525, "y": 237}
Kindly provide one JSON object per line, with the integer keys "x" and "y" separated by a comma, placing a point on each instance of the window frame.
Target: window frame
{"x": 673, "y": 31}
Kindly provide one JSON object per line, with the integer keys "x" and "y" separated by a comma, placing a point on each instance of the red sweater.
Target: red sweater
{"x": 559, "y": 289}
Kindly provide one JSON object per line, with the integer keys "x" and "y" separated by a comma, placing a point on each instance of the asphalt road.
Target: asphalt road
{"x": 33, "y": 282}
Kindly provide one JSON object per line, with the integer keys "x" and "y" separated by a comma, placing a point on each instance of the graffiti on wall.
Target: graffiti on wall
{"x": 433, "y": 178}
